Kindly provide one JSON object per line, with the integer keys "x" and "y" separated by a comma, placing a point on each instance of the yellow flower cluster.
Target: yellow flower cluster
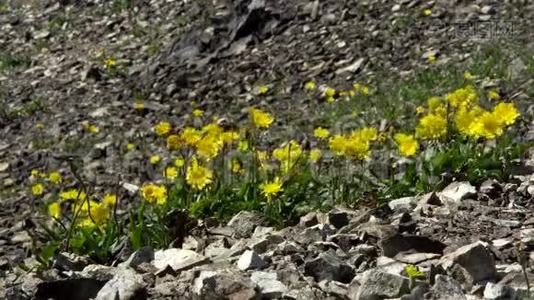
{"x": 469, "y": 119}
{"x": 271, "y": 188}
{"x": 287, "y": 155}
{"x": 198, "y": 176}
{"x": 260, "y": 119}
{"x": 153, "y": 193}
{"x": 355, "y": 145}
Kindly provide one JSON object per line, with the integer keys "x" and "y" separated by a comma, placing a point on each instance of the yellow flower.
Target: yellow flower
{"x": 37, "y": 189}
{"x": 365, "y": 90}
{"x": 208, "y": 147}
{"x": 506, "y": 113}
{"x": 236, "y": 167}
{"x": 171, "y": 173}
{"x": 260, "y": 119}
{"x": 91, "y": 128}
{"x": 468, "y": 76}
{"x": 191, "y": 136}
{"x": 54, "y": 210}
{"x": 55, "y": 177}
{"x": 162, "y": 128}
{"x": 174, "y": 142}
{"x": 212, "y": 129}
{"x": 356, "y": 87}
{"x": 155, "y": 159}
{"x": 153, "y": 193}
{"x": 427, "y": 12}
{"x": 337, "y": 144}
{"x": 138, "y": 105}
{"x": 431, "y": 58}
{"x": 493, "y": 95}
{"x": 270, "y": 188}
{"x": 366, "y": 134}
{"x": 110, "y": 63}
{"x": 198, "y": 176}
{"x": 109, "y": 199}
{"x": 356, "y": 148}
{"x": 35, "y": 173}
{"x": 310, "y": 85}
{"x": 72, "y": 194}
{"x": 329, "y": 92}
{"x": 99, "y": 213}
{"x": 198, "y": 113}
{"x": 321, "y": 133}
{"x": 407, "y": 144}
{"x": 39, "y": 125}
{"x": 465, "y": 97}
{"x": 287, "y": 155}
{"x": 464, "y": 119}
{"x": 262, "y": 90}
{"x": 179, "y": 162}
{"x": 487, "y": 125}
{"x": 419, "y": 110}
{"x": 330, "y": 100}
{"x": 431, "y": 127}
{"x": 229, "y": 137}
{"x": 130, "y": 146}
{"x": 315, "y": 155}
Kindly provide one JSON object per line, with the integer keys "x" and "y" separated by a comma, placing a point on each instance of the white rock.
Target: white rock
{"x": 177, "y": 259}
{"x": 250, "y": 260}
{"x": 269, "y": 284}
{"x": 455, "y": 192}
{"x": 126, "y": 284}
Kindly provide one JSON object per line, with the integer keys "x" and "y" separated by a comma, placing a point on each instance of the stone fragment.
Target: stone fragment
{"x": 223, "y": 285}
{"x": 244, "y": 223}
{"x": 270, "y": 286}
{"x": 457, "y": 191}
{"x": 446, "y": 287}
{"x": 475, "y": 258}
{"x": 406, "y": 203}
{"x": 377, "y": 284}
{"x": 126, "y": 284}
{"x": 329, "y": 267}
{"x": 496, "y": 291}
{"x": 177, "y": 259}
{"x": 250, "y": 260}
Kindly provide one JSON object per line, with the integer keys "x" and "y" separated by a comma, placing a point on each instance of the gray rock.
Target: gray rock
{"x": 338, "y": 218}
{"x": 223, "y": 285}
{"x": 475, "y": 258}
{"x": 126, "y": 284}
{"x": 308, "y": 220}
{"x": 496, "y": 291}
{"x": 406, "y": 203}
{"x": 329, "y": 267}
{"x": 177, "y": 259}
{"x": 143, "y": 255}
{"x": 262, "y": 244}
{"x": 250, "y": 260}
{"x": 70, "y": 262}
{"x": 244, "y": 223}
{"x": 270, "y": 286}
{"x": 377, "y": 284}
{"x": 457, "y": 191}
{"x": 516, "y": 281}
{"x": 446, "y": 287}
{"x": 391, "y": 246}
{"x": 335, "y": 288}
{"x": 415, "y": 258}
{"x": 390, "y": 265}
{"x": 313, "y": 234}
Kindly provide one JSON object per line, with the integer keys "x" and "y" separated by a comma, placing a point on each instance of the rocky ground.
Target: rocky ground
{"x": 471, "y": 242}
